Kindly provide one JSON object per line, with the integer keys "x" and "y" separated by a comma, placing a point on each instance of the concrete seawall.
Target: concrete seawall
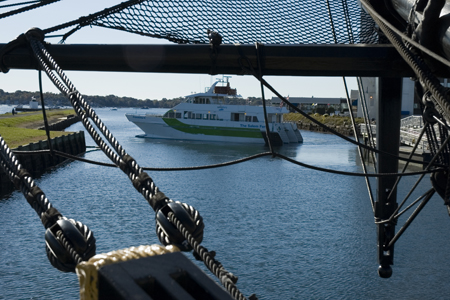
{"x": 62, "y": 124}
{"x": 37, "y": 164}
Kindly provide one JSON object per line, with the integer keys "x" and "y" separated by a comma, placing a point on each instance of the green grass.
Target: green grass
{"x": 325, "y": 119}
{"x": 15, "y": 136}
{"x": 12, "y": 131}
{"x": 21, "y": 119}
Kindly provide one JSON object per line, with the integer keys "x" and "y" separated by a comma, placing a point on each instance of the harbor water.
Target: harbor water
{"x": 286, "y": 231}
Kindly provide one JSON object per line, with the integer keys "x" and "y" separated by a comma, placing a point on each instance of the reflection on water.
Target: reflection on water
{"x": 288, "y": 232}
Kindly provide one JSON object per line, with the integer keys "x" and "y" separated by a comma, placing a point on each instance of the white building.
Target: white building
{"x": 370, "y": 93}
{"x": 309, "y": 104}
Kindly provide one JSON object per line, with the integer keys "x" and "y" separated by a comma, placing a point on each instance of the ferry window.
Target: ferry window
{"x": 178, "y": 115}
{"x": 255, "y": 119}
{"x": 202, "y": 100}
{"x": 248, "y": 118}
{"x": 207, "y": 101}
{"x": 237, "y": 117}
{"x": 213, "y": 117}
{"x": 205, "y": 116}
{"x": 274, "y": 118}
{"x": 169, "y": 114}
{"x": 187, "y": 114}
{"x": 198, "y": 116}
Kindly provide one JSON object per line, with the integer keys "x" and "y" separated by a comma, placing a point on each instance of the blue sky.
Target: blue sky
{"x": 138, "y": 85}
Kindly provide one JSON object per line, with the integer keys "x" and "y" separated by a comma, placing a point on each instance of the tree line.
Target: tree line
{"x": 58, "y": 99}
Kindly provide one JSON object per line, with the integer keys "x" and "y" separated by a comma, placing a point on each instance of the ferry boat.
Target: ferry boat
{"x": 212, "y": 116}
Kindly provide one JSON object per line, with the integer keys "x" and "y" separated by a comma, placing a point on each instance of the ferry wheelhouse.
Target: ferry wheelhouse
{"x": 216, "y": 115}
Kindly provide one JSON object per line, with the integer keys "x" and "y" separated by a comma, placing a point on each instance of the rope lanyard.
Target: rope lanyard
{"x": 165, "y": 208}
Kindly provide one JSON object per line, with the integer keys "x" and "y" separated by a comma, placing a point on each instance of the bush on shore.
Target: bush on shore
{"x": 331, "y": 121}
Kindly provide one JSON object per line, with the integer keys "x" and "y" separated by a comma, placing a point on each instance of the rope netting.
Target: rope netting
{"x": 244, "y": 22}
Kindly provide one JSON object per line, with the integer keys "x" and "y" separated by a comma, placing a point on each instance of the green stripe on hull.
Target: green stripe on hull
{"x": 213, "y": 130}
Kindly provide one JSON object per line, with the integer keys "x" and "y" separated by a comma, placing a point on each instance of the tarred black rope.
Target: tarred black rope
{"x": 30, "y": 7}
{"x": 367, "y": 122}
{"x": 260, "y": 75}
{"x": 248, "y": 69}
{"x": 237, "y": 161}
{"x": 83, "y": 110}
{"x": 87, "y": 20}
{"x": 431, "y": 136}
{"x": 447, "y": 190}
{"x": 47, "y": 130}
{"x": 48, "y": 215}
{"x": 435, "y": 157}
{"x": 227, "y": 279}
{"x": 23, "y": 180}
{"x": 73, "y": 253}
{"x": 244, "y": 22}
{"x": 19, "y": 4}
{"x": 443, "y": 133}
{"x": 428, "y": 80}
{"x": 377, "y": 17}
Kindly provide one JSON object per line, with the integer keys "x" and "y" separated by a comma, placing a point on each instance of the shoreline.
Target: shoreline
{"x": 344, "y": 129}
{"x": 24, "y": 128}
{"x": 37, "y": 164}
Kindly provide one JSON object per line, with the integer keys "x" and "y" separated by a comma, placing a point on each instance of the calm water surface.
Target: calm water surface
{"x": 288, "y": 232}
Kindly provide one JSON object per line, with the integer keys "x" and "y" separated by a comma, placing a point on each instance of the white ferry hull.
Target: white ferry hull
{"x": 212, "y": 116}
{"x": 218, "y": 131}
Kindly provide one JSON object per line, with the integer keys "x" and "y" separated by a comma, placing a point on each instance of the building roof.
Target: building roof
{"x": 307, "y": 100}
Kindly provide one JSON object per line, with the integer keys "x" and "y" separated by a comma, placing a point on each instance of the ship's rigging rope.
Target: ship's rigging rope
{"x": 435, "y": 104}
{"x": 244, "y": 22}
{"x": 350, "y": 110}
{"x": 440, "y": 149}
{"x": 259, "y": 77}
{"x": 54, "y": 222}
{"x": 141, "y": 181}
{"x": 238, "y": 161}
{"x": 367, "y": 121}
{"x": 33, "y": 5}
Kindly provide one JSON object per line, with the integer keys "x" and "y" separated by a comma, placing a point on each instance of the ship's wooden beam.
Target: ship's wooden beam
{"x": 285, "y": 60}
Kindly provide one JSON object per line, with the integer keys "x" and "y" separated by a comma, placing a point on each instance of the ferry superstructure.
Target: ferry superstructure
{"x": 212, "y": 116}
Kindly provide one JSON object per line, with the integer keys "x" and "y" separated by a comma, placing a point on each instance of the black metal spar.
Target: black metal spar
{"x": 284, "y": 60}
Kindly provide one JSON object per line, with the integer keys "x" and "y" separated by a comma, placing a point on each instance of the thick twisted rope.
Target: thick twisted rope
{"x": 22, "y": 179}
{"x": 23, "y": 9}
{"x": 76, "y": 257}
{"x": 227, "y": 279}
{"x": 125, "y": 162}
{"x": 44, "y": 209}
{"x": 142, "y": 182}
{"x": 428, "y": 80}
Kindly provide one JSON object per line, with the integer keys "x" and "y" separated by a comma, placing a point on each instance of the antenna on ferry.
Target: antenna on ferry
{"x": 227, "y": 77}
